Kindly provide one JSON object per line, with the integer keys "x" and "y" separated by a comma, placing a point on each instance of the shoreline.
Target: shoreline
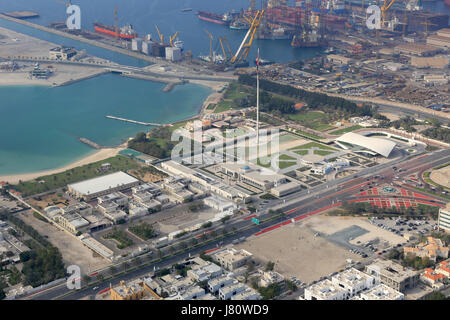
{"x": 94, "y": 157}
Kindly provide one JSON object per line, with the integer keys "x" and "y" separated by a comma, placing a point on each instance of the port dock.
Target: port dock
{"x": 91, "y": 143}
{"x": 21, "y": 14}
{"x": 135, "y": 122}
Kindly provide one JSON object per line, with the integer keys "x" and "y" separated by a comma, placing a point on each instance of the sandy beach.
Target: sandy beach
{"x": 97, "y": 156}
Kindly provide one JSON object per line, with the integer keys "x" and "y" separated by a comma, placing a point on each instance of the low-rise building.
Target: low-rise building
{"x": 432, "y": 278}
{"x": 133, "y": 290}
{"x": 72, "y": 222}
{"x": 62, "y": 53}
{"x": 382, "y": 292}
{"x": 231, "y": 258}
{"x": 230, "y": 290}
{"x": 205, "y": 272}
{"x": 247, "y": 294}
{"x": 432, "y": 248}
{"x": 220, "y": 204}
{"x": 270, "y": 277}
{"x": 353, "y": 281}
{"x": 393, "y": 274}
{"x": 325, "y": 290}
{"x": 443, "y": 268}
{"x": 215, "y": 284}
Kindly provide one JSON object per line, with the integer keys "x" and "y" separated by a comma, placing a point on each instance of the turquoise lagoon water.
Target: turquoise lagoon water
{"x": 40, "y": 126}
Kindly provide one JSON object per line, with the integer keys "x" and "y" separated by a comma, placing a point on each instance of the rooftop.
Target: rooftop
{"x": 95, "y": 185}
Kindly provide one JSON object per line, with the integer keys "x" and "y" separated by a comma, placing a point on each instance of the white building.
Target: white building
{"x": 173, "y": 54}
{"x": 136, "y": 44}
{"x": 215, "y": 284}
{"x": 367, "y": 145}
{"x": 353, "y": 281}
{"x": 228, "y": 291}
{"x": 220, "y": 204}
{"x": 325, "y": 290}
{"x": 96, "y": 187}
{"x": 382, "y": 292}
{"x": 444, "y": 218}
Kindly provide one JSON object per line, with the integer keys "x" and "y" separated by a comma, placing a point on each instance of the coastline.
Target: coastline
{"x": 96, "y": 156}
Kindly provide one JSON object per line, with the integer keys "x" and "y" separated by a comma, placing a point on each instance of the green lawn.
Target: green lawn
{"x": 54, "y": 181}
{"x": 285, "y": 164}
{"x": 309, "y": 116}
{"x": 286, "y": 157}
{"x": 322, "y": 152}
{"x": 345, "y": 130}
{"x": 300, "y": 152}
{"x": 315, "y": 144}
{"x": 224, "y": 105}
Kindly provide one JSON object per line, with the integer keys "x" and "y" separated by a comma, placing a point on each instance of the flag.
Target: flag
{"x": 257, "y": 61}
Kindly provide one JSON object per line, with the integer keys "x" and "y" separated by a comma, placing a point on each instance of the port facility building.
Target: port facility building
{"x": 96, "y": 187}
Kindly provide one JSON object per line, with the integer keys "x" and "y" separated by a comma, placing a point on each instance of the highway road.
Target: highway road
{"x": 320, "y": 197}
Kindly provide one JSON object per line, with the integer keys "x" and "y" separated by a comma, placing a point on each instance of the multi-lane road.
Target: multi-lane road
{"x": 295, "y": 206}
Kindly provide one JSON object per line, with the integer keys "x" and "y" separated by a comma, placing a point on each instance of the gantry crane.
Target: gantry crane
{"x": 161, "y": 36}
{"x": 244, "y": 48}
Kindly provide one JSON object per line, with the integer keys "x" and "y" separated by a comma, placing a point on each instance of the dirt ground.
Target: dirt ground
{"x": 72, "y": 250}
{"x": 441, "y": 176}
{"x": 332, "y": 224}
{"x": 297, "y": 252}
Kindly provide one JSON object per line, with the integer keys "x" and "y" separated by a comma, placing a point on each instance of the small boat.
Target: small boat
{"x": 186, "y": 9}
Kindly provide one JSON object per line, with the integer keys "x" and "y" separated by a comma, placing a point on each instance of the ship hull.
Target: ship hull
{"x": 108, "y": 31}
{"x": 213, "y": 19}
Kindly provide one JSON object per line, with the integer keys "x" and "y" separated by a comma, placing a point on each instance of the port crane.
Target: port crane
{"x": 116, "y": 22}
{"x": 226, "y": 49}
{"x": 244, "y": 48}
{"x": 172, "y": 38}
{"x": 161, "y": 36}
{"x": 211, "y": 38}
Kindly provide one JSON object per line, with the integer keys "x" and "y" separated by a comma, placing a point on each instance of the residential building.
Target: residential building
{"x": 225, "y": 293}
{"x": 231, "y": 258}
{"x": 393, "y": 274}
{"x": 215, "y": 284}
{"x": 325, "y": 290}
{"x": 443, "y": 268}
{"x": 72, "y": 222}
{"x": 382, "y": 292}
{"x": 432, "y": 248}
{"x": 432, "y": 278}
{"x": 270, "y": 277}
{"x": 133, "y": 290}
{"x": 353, "y": 281}
{"x": 205, "y": 272}
{"x": 247, "y": 294}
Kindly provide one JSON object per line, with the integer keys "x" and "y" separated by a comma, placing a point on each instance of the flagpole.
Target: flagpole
{"x": 257, "y": 103}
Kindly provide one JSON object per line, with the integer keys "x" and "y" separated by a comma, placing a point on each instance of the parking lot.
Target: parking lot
{"x": 403, "y": 226}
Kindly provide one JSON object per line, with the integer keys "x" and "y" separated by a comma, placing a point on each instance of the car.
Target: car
{"x": 94, "y": 288}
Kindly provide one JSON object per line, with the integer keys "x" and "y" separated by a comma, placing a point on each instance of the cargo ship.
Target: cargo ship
{"x": 214, "y": 18}
{"x": 126, "y": 32}
{"x": 311, "y": 40}
{"x": 447, "y": 2}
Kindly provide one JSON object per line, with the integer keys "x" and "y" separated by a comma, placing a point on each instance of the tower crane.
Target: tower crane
{"x": 244, "y": 48}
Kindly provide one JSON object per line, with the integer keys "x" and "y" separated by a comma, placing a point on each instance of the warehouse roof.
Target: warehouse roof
{"x": 381, "y": 146}
{"x": 93, "y": 186}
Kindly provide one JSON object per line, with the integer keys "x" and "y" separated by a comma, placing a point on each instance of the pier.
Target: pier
{"x": 91, "y": 143}
{"x": 135, "y": 122}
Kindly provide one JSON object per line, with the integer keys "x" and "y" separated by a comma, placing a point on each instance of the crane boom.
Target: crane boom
{"x": 173, "y": 38}
{"x": 244, "y": 48}
{"x": 161, "y": 36}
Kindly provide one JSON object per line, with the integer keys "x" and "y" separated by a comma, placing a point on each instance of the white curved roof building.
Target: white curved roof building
{"x": 371, "y": 145}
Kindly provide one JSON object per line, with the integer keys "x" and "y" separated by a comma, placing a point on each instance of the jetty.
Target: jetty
{"x": 135, "y": 122}
{"x": 91, "y": 143}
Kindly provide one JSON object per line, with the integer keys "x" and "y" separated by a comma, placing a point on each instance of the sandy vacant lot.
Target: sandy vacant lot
{"x": 72, "y": 250}
{"x": 330, "y": 224}
{"x": 297, "y": 252}
{"x": 441, "y": 176}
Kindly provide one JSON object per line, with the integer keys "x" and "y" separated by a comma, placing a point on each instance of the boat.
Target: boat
{"x": 186, "y": 9}
{"x": 179, "y": 44}
{"x": 447, "y": 2}
{"x": 212, "y": 17}
{"x": 126, "y": 32}
{"x": 239, "y": 25}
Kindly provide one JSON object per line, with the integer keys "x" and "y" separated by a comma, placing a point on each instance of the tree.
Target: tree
{"x": 269, "y": 266}
{"x": 112, "y": 270}
{"x": 100, "y": 277}
{"x": 86, "y": 278}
